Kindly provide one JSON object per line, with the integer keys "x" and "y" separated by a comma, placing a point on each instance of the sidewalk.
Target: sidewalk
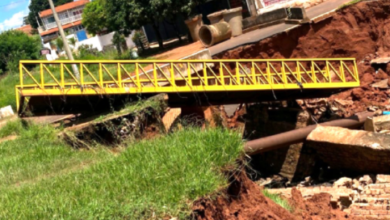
{"x": 250, "y": 37}
{"x": 260, "y": 34}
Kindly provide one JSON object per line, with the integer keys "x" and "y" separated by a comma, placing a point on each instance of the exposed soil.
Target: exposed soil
{"x": 243, "y": 200}
{"x": 181, "y": 52}
{"x": 360, "y": 31}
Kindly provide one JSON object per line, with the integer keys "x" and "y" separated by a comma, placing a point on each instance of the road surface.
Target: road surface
{"x": 260, "y": 34}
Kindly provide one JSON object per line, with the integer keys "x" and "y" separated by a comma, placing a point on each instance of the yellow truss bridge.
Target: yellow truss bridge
{"x": 59, "y": 78}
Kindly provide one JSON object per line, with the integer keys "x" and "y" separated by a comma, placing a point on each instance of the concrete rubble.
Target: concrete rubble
{"x": 379, "y": 124}
{"x": 6, "y": 112}
{"x": 366, "y": 196}
{"x": 353, "y": 150}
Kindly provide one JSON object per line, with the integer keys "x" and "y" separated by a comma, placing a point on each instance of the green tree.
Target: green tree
{"x": 37, "y": 6}
{"x": 72, "y": 41}
{"x": 128, "y": 15}
{"x": 120, "y": 42}
{"x": 16, "y": 46}
{"x": 60, "y": 43}
{"x": 94, "y": 17}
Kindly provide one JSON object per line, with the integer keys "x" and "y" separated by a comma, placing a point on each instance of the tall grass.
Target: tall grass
{"x": 7, "y": 90}
{"x": 36, "y": 154}
{"x": 150, "y": 179}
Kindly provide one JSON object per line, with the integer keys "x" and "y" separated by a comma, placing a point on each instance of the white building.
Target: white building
{"x": 70, "y": 15}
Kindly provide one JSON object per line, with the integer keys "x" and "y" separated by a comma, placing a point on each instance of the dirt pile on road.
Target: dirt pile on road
{"x": 243, "y": 200}
{"x": 360, "y": 31}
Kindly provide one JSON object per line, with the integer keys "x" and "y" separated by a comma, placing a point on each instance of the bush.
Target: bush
{"x": 15, "y": 46}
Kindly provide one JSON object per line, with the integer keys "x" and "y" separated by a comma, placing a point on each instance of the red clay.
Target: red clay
{"x": 243, "y": 200}
{"x": 361, "y": 31}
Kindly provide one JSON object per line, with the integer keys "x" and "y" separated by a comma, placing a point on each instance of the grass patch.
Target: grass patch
{"x": 156, "y": 104}
{"x": 7, "y": 90}
{"x": 278, "y": 200}
{"x": 37, "y": 154}
{"x": 150, "y": 179}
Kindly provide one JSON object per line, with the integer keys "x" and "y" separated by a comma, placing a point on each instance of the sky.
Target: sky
{"x": 12, "y": 13}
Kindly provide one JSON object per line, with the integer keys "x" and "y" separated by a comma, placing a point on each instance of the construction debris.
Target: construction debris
{"x": 353, "y": 150}
{"x": 378, "y": 124}
{"x": 6, "y": 112}
{"x": 170, "y": 117}
{"x": 365, "y": 196}
{"x": 299, "y": 135}
{"x": 51, "y": 119}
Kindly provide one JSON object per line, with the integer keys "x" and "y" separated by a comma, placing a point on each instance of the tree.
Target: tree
{"x": 127, "y": 15}
{"x": 72, "y": 41}
{"x": 17, "y": 46}
{"x": 60, "y": 43}
{"x": 94, "y": 17}
{"x": 120, "y": 42}
{"x": 37, "y": 6}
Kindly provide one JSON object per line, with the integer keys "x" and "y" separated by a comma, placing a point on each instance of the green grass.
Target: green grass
{"x": 155, "y": 103}
{"x": 7, "y": 90}
{"x": 40, "y": 178}
{"x": 278, "y": 200}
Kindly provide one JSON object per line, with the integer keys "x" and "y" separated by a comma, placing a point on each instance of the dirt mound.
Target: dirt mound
{"x": 360, "y": 31}
{"x": 243, "y": 200}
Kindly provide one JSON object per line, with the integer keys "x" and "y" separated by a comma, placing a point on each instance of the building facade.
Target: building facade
{"x": 70, "y": 15}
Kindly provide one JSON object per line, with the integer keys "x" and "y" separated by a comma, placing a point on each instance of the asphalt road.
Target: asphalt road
{"x": 260, "y": 34}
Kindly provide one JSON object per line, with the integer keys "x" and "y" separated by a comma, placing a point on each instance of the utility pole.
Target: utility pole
{"x": 66, "y": 44}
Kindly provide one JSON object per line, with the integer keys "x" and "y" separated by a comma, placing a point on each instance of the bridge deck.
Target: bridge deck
{"x": 59, "y": 78}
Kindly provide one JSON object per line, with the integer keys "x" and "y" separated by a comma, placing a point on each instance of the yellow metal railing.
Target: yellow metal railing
{"x": 49, "y": 78}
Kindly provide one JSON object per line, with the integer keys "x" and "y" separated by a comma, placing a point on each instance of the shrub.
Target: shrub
{"x": 15, "y": 46}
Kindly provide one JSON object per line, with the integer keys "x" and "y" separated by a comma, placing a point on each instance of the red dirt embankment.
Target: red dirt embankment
{"x": 361, "y": 31}
{"x": 243, "y": 200}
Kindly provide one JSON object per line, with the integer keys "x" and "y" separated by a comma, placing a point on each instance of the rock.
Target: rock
{"x": 367, "y": 79}
{"x": 380, "y": 74}
{"x": 381, "y": 178}
{"x": 209, "y": 117}
{"x": 343, "y": 182}
{"x": 383, "y": 84}
{"x": 358, "y": 93}
{"x": 344, "y": 102}
{"x": 356, "y": 184}
{"x": 365, "y": 180}
{"x": 307, "y": 182}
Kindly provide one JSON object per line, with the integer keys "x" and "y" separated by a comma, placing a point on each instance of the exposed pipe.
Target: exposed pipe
{"x": 299, "y": 135}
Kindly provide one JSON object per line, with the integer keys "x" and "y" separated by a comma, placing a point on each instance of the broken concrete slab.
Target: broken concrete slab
{"x": 6, "y": 112}
{"x": 353, "y": 150}
{"x": 383, "y": 84}
{"x": 382, "y": 60}
{"x": 170, "y": 117}
{"x": 50, "y": 119}
{"x": 378, "y": 123}
{"x": 231, "y": 109}
{"x": 367, "y": 201}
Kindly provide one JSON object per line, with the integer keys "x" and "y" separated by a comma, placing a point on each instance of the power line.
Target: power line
{"x": 12, "y": 3}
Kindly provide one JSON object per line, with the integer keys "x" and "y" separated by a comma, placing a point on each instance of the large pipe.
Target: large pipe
{"x": 212, "y": 34}
{"x": 299, "y": 135}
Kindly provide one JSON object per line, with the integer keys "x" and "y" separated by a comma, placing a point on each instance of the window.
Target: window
{"x": 78, "y": 12}
{"x": 50, "y": 20}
